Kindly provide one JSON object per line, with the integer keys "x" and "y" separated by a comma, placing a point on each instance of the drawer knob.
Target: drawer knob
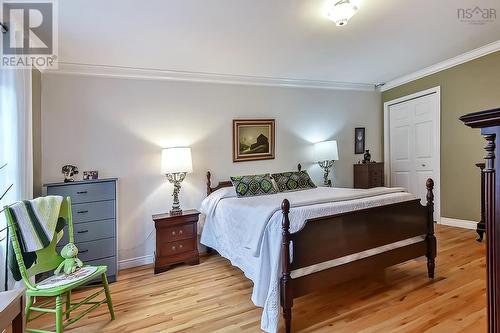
{"x": 180, "y": 246}
{"x": 173, "y": 233}
{"x": 82, "y": 212}
{"x": 81, "y": 192}
{"x": 82, "y": 231}
{"x": 180, "y": 232}
{"x": 173, "y": 248}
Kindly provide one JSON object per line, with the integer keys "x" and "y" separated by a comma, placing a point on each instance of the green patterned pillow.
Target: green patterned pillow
{"x": 293, "y": 181}
{"x": 253, "y": 185}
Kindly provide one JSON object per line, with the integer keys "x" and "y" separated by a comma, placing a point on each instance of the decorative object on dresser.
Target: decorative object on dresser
{"x": 359, "y": 140}
{"x": 12, "y": 310}
{"x": 91, "y": 175}
{"x": 94, "y": 213}
{"x": 481, "y": 226}
{"x": 367, "y": 157}
{"x": 69, "y": 171}
{"x": 489, "y": 123}
{"x": 368, "y": 175}
{"x": 325, "y": 153}
{"x": 176, "y": 163}
{"x": 176, "y": 239}
{"x": 253, "y": 139}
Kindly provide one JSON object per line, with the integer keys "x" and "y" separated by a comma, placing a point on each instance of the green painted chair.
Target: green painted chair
{"x": 48, "y": 260}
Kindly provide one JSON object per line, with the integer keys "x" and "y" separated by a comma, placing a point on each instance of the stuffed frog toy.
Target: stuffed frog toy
{"x": 70, "y": 263}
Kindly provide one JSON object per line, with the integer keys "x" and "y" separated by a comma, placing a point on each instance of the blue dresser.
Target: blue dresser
{"x": 94, "y": 220}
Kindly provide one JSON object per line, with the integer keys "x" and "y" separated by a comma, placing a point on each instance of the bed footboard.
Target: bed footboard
{"x": 337, "y": 236}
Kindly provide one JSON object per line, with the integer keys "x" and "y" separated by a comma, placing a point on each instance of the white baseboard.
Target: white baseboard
{"x": 134, "y": 262}
{"x": 466, "y": 224}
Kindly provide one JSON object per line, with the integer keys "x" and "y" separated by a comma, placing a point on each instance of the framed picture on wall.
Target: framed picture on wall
{"x": 253, "y": 139}
{"x": 359, "y": 140}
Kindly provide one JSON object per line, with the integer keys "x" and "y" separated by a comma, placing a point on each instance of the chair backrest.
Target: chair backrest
{"x": 47, "y": 258}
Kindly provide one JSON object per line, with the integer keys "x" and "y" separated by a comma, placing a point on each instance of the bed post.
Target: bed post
{"x": 286, "y": 287}
{"x": 431, "y": 238}
{"x": 209, "y": 183}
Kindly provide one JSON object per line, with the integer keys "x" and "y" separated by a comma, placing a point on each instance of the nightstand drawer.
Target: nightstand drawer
{"x": 93, "y": 211}
{"x": 89, "y": 231}
{"x": 170, "y": 249}
{"x": 179, "y": 233}
{"x": 89, "y": 192}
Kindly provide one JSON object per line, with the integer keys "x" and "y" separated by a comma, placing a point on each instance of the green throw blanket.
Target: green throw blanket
{"x": 37, "y": 222}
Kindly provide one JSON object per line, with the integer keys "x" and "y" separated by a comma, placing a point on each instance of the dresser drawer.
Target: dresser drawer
{"x": 96, "y": 249}
{"x": 178, "y": 233}
{"x": 110, "y": 262}
{"x": 170, "y": 249}
{"x": 89, "y": 231}
{"x": 81, "y": 193}
{"x": 93, "y": 211}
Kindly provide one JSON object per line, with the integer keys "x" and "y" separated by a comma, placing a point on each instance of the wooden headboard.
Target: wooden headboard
{"x": 226, "y": 183}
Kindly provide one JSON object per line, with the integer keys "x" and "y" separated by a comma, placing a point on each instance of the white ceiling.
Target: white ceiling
{"x": 270, "y": 38}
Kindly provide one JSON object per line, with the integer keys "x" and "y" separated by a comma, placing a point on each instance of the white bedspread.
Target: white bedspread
{"x": 247, "y": 231}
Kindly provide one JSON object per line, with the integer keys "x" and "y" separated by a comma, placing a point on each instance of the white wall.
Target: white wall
{"x": 118, "y": 126}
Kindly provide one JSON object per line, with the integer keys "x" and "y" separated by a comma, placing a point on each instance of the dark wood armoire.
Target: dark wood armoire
{"x": 489, "y": 123}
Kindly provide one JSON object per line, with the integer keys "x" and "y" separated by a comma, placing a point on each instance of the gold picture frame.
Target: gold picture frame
{"x": 253, "y": 139}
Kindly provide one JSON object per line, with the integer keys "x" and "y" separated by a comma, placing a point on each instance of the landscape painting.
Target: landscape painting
{"x": 253, "y": 139}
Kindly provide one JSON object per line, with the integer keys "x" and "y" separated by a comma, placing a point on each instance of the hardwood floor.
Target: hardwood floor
{"x": 215, "y": 297}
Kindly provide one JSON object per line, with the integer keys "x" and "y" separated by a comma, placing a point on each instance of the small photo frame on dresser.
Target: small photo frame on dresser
{"x": 359, "y": 140}
{"x": 90, "y": 175}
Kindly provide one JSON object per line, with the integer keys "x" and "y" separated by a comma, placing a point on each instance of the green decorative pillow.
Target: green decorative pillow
{"x": 293, "y": 181}
{"x": 253, "y": 185}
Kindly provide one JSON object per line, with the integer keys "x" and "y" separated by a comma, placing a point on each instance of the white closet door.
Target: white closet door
{"x": 414, "y": 149}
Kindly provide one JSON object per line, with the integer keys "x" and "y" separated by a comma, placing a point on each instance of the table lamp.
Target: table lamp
{"x": 325, "y": 153}
{"x": 176, "y": 163}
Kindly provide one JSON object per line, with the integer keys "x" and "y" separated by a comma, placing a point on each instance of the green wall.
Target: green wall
{"x": 472, "y": 86}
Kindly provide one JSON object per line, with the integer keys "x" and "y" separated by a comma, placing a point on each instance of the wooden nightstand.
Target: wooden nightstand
{"x": 176, "y": 239}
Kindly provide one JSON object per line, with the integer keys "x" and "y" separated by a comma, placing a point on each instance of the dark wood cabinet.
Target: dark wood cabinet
{"x": 368, "y": 175}
{"x": 176, "y": 239}
{"x": 489, "y": 123}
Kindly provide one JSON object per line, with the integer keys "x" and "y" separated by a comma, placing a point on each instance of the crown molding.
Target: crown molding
{"x": 465, "y": 57}
{"x": 65, "y": 68}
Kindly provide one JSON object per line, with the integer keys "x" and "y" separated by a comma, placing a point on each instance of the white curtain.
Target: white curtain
{"x": 16, "y": 147}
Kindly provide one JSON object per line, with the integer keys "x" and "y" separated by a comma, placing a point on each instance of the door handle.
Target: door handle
{"x": 423, "y": 165}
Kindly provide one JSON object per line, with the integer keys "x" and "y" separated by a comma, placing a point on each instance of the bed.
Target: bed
{"x": 293, "y": 243}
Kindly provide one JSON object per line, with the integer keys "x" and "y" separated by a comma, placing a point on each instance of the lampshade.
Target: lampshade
{"x": 176, "y": 159}
{"x": 326, "y": 151}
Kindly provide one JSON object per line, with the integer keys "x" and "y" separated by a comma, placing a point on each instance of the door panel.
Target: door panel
{"x": 414, "y": 154}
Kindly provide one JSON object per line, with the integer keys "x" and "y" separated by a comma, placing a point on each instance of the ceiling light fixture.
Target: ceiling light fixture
{"x": 341, "y": 11}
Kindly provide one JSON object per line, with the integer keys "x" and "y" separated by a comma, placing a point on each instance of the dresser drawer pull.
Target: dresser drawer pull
{"x": 82, "y": 212}
{"x": 173, "y": 233}
{"x": 173, "y": 248}
{"x": 180, "y": 232}
{"x": 81, "y": 192}
{"x": 82, "y": 231}
{"x": 180, "y": 246}
{"x": 83, "y": 251}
